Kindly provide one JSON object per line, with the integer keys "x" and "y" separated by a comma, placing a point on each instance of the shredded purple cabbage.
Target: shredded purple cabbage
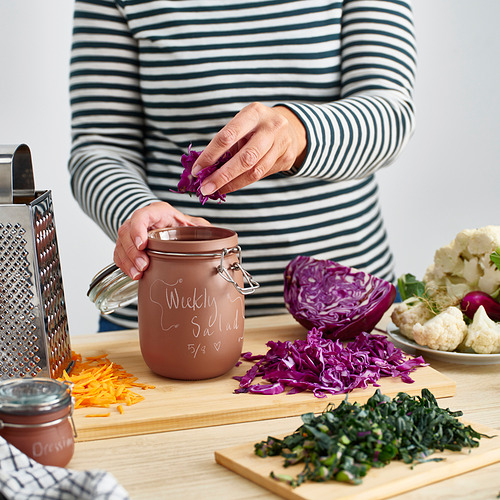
{"x": 191, "y": 184}
{"x": 325, "y": 366}
{"x": 338, "y": 300}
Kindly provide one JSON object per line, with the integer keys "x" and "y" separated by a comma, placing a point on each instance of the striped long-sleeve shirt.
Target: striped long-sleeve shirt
{"x": 151, "y": 77}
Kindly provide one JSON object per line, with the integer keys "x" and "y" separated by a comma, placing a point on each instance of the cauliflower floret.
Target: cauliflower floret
{"x": 489, "y": 282}
{"x": 464, "y": 265}
{"x": 406, "y": 315}
{"x": 461, "y": 241}
{"x": 447, "y": 261}
{"x": 456, "y": 290}
{"x": 484, "y": 240}
{"x": 444, "y": 332}
{"x": 430, "y": 274}
{"x": 471, "y": 271}
{"x": 483, "y": 335}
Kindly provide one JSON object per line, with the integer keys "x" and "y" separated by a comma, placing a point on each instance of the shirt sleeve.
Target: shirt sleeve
{"x": 106, "y": 163}
{"x": 364, "y": 130}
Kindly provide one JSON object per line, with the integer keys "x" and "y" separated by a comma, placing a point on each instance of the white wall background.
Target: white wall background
{"x": 447, "y": 179}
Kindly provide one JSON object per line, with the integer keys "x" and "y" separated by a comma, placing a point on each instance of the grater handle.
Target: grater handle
{"x": 16, "y": 173}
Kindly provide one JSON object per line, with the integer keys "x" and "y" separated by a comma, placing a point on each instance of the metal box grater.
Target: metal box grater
{"x": 34, "y": 334}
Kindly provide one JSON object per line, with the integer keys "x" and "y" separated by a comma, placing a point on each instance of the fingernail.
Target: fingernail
{"x": 207, "y": 189}
{"x": 134, "y": 273}
{"x": 141, "y": 264}
{"x": 195, "y": 170}
{"x": 138, "y": 242}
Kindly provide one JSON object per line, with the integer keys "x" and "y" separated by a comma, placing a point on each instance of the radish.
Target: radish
{"x": 473, "y": 300}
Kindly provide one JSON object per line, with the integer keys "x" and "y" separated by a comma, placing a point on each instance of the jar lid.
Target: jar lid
{"x": 111, "y": 289}
{"x": 33, "y": 396}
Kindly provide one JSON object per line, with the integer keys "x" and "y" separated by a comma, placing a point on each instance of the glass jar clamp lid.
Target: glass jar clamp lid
{"x": 34, "y": 396}
{"x": 111, "y": 289}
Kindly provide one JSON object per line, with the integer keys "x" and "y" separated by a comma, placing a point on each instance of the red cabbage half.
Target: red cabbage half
{"x": 191, "y": 184}
{"x": 340, "y": 301}
{"x": 326, "y": 366}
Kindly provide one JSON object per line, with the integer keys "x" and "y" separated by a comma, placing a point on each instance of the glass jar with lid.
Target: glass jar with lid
{"x": 36, "y": 418}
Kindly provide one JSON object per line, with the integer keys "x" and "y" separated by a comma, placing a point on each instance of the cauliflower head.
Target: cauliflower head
{"x": 444, "y": 332}
{"x": 464, "y": 265}
{"x": 406, "y": 314}
{"x": 483, "y": 335}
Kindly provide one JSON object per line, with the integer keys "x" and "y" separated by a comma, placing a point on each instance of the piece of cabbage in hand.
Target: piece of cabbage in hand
{"x": 188, "y": 183}
{"x": 338, "y": 300}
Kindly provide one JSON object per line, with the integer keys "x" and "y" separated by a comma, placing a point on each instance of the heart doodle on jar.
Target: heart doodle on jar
{"x": 217, "y": 345}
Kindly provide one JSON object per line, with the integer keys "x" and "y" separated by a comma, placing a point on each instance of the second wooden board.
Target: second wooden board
{"x": 378, "y": 484}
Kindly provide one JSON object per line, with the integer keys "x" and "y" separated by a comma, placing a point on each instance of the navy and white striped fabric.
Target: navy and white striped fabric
{"x": 151, "y": 77}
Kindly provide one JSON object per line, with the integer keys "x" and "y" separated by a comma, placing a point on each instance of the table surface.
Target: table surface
{"x": 181, "y": 465}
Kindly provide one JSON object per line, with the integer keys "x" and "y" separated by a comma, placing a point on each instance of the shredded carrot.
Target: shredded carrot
{"x": 100, "y": 383}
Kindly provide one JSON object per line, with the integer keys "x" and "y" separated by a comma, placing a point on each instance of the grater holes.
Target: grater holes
{"x": 32, "y": 296}
{"x": 16, "y": 306}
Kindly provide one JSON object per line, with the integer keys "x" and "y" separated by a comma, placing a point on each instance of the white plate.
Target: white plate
{"x": 451, "y": 357}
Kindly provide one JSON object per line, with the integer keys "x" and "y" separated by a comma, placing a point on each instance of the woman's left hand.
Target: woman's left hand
{"x": 262, "y": 141}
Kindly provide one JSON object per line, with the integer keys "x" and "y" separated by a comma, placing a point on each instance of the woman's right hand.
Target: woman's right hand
{"x": 129, "y": 254}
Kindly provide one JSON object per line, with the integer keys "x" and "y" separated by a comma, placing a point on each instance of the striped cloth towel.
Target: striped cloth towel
{"x": 22, "y": 478}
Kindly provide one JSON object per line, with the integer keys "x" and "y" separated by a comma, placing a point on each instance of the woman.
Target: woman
{"x": 311, "y": 97}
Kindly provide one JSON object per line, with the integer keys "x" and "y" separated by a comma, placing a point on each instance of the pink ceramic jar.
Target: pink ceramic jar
{"x": 35, "y": 417}
{"x": 191, "y": 302}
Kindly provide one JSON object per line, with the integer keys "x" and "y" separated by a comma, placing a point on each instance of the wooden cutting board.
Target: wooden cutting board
{"x": 176, "y": 405}
{"x": 394, "y": 479}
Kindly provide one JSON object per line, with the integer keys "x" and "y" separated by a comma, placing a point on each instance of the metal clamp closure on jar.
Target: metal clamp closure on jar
{"x": 221, "y": 269}
{"x": 44, "y": 424}
{"x": 111, "y": 288}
